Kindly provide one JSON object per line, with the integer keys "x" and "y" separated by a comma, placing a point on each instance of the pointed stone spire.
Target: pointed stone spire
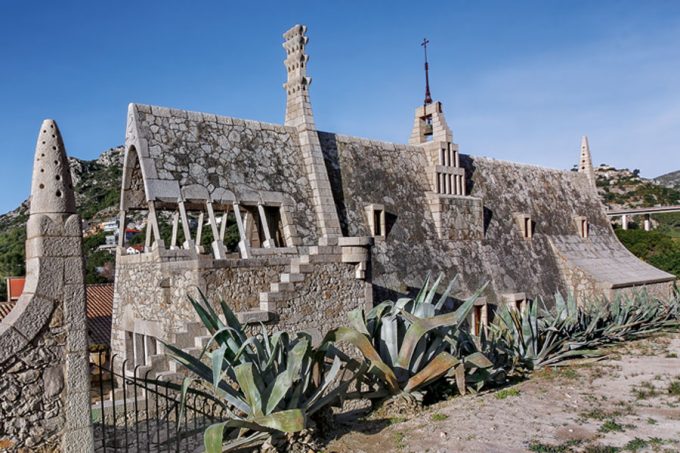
{"x": 586, "y": 163}
{"x": 52, "y": 189}
{"x": 298, "y": 107}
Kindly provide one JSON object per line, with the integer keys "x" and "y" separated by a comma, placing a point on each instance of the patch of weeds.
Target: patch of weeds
{"x": 595, "y": 414}
{"x": 610, "y": 426}
{"x": 674, "y": 388}
{"x": 505, "y": 393}
{"x": 539, "y": 447}
{"x": 672, "y": 355}
{"x": 645, "y": 391}
{"x": 651, "y": 421}
{"x": 438, "y": 417}
{"x": 600, "y": 449}
{"x": 395, "y": 420}
{"x": 569, "y": 373}
{"x": 399, "y": 440}
{"x": 636, "y": 444}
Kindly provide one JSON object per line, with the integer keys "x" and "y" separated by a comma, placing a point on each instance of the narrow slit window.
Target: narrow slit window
{"x": 377, "y": 222}
{"x": 527, "y": 227}
{"x": 584, "y": 228}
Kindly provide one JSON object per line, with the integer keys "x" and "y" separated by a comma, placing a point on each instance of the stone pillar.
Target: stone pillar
{"x": 44, "y": 372}
{"x": 299, "y": 115}
{"x": 648, "y": 222}
{"x": 624, "y": 221}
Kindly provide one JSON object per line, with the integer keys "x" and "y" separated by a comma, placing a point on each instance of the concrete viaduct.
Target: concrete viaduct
{"x": 626, "y": 214}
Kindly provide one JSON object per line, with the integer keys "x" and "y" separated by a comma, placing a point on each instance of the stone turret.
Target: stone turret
{"x": 586, "y": 163}
{"x": 299, "y": 115}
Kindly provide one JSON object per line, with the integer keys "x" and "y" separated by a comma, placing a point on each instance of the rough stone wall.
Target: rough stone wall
{"x": 217, "y": 152}
{"x": 364, "y": 172}
{"x": 462, "y": 218}
{"x": 323, "y": 299}
{"x": 31, "y": 384}
{"x": 150, "y": 290}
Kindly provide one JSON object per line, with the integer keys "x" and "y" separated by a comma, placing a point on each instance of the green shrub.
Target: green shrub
{"x": 269, "y": 384}
{"x": 411, "y": 343}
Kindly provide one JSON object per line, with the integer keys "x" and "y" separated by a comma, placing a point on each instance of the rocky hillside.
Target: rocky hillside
{"x": 671, "y": 180}
{"x": 97, "y": 186}
{"x": 622, "y": 188}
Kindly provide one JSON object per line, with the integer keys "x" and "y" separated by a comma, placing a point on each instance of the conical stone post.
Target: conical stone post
{"x": 45, "y": 335}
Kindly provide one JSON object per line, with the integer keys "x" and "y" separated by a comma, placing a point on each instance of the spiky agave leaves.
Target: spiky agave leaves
{"x": 269, "y": 382}
{"x": 405, "y": 342}
{"x": 572, "y": 331}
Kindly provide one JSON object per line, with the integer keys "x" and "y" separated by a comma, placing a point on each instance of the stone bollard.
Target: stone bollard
{"x": 44, "y": 370}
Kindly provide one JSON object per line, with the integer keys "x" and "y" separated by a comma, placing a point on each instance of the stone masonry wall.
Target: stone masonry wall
{"x": 323, "y": 299}
{"x": 156, "y": 292}
{"x": 217, "y": 152}
{"x": 364, "y": 172}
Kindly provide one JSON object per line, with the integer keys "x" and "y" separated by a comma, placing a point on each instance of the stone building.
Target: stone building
{"x": 328, "y": 223}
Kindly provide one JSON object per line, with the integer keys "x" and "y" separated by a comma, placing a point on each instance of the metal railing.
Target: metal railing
{"x": 133, "y": 414}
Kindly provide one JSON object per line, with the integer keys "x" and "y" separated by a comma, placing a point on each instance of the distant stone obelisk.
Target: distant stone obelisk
{"x": 586, "y": 163}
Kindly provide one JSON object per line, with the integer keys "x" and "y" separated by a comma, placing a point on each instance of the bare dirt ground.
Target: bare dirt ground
{"x": 628, "y": 402}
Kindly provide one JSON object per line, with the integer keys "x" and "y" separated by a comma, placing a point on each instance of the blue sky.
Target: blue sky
{"x": 520, "y": 80}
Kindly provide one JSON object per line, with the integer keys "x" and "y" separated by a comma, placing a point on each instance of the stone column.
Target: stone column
{"x": 299, "y": 116}
{"x": 44, "y": 372}
{"x": 648, "y": 222}
{"x": 624, "y": 221}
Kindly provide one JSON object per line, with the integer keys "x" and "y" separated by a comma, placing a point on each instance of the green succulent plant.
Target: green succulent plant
{"x": 410, "y": 344}
{"x": 569, "y": 330}
{"x": 269, "y": 383}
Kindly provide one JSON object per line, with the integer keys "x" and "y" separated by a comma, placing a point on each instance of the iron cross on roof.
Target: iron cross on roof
{"x": 428, "y": 98}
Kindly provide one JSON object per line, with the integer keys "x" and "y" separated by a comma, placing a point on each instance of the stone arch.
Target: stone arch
{"x": 133, "y": 191}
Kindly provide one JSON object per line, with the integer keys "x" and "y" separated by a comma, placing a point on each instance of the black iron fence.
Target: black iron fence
{"x": 134, "y": 413}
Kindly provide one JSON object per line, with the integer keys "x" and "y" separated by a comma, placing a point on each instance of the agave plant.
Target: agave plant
{"x": 568, "y": 331}
{"x": 270, "y": 383}
{"x": 410, "y": 344}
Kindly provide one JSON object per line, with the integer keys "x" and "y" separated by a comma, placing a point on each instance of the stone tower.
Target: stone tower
{"x": 45, "y": 334}
{"x": 586, "y": 163}
{"x": 299, "y": 116}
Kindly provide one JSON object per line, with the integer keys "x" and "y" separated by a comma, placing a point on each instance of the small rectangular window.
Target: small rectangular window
{"x": 377, "y": 223}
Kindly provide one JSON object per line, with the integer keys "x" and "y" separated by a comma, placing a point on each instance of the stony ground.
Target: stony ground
{"x": 628, "y": 402}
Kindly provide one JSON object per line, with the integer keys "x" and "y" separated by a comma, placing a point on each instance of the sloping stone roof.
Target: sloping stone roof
{"x": 604, "y": 259}
{"x": 199, "y": 156}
